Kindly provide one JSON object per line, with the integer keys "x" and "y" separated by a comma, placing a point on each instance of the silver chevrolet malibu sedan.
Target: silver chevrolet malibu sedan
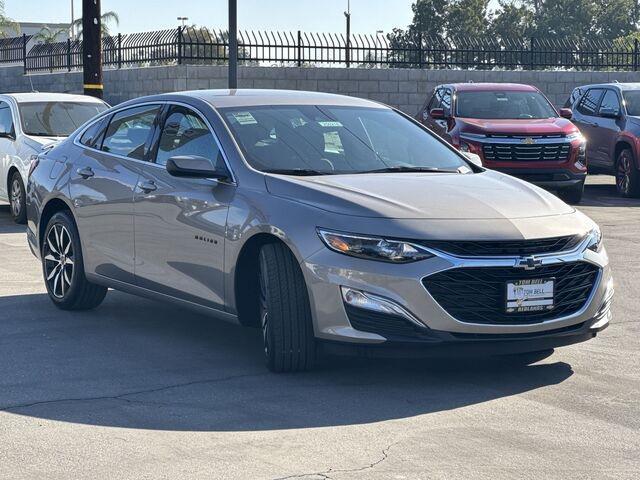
{"x": 334, "y": 224}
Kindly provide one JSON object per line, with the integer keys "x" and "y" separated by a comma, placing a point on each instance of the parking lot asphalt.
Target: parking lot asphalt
{"x": 138, "y": 389}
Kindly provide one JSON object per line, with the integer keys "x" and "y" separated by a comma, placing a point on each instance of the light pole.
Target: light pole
{"x": 91, "y": 51}
{"x": 233, "y": 44}
{"x": 347, "y": 53}
{"x": 182, "y": 19}
{"x": 72, "y": 33}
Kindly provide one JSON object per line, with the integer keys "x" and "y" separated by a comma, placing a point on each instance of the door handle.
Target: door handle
{"x": 85, "y": 172}
{"x": 148, "y": 186}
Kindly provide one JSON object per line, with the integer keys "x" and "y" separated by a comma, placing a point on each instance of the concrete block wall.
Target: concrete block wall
{"x": 406, "y": 89}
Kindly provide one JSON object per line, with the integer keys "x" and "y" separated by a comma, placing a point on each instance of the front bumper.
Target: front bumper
{"x": 326, "y": 272}
{"x": 544, "y": 177}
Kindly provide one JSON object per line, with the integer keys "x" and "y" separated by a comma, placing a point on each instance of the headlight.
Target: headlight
{"x": 575, "y": 136}
{"x": 374, "y": 248}
{"x": 595, "y": 240}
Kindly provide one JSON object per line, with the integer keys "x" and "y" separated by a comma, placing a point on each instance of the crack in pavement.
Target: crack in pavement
{"x": 325, "y": 474}
{"x": 123, "y": 396}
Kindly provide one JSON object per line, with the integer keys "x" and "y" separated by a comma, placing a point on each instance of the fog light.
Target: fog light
{"x": 375, "y": 303}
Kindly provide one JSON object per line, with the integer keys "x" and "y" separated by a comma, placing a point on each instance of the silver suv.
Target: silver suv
{"x": 334, "y": 224}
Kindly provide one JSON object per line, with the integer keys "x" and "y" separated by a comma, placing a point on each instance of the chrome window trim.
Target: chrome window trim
{"x": 572, "y": 256}
{"x": 161, "y": 103}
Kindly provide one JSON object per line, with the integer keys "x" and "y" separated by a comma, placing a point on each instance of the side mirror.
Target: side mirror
{"x": 194, "y": 166}
{"x": 437, "y": 113}
{"x": 566, "y": 113}
{"x": 473, "y": 158}
{"x": 10, "y": 135}
{"x": 610, "y": 112}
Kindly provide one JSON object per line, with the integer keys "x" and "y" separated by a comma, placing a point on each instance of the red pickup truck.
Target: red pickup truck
{"x": 514, "y": 129}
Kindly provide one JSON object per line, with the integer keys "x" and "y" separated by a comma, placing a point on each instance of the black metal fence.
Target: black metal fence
{"x": 189, "y": 45}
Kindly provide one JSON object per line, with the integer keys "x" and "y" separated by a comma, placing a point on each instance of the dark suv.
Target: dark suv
{"x": 608, "y": 115}
{"x": 514, "y": 129}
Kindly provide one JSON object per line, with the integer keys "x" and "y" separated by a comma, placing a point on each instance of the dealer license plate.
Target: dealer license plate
{"x": 533, "y": 295}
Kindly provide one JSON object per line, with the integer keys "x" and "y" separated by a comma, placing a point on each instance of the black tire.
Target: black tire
{"x": 285, "y": 314}
{"x": 627, "y": 175}
{"x": 17, "y": 199}
{"x": 67, "y": 286}
{"x": 572, "y": 194}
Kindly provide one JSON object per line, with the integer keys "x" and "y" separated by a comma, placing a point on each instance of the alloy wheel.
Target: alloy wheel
{"x": 623, "y": 174}
{"x": 16, "y": 197}
{"x": 264, "y": 309}
{"x": 58, "y": 260}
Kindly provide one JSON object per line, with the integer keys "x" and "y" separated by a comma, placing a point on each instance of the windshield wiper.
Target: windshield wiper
{"x": 296, "y": 171}
{"x": 405, "y": 169}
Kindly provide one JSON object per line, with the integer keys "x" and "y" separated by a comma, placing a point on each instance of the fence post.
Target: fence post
{"x": 24, "y": 52}
{"x": 299, "y": 48}
{"x": 119, "y": 50}
{"x": 68, "y": 54}
{"x": 532, "y": 53}
{"x": 420, "y": 62}
{"x": 179, "y": 45}
{"x": 635, "y": 54}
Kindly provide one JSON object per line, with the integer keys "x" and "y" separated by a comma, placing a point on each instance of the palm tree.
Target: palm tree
{"x": 7, "y": 26}
{"x": 49, "y": 35}
{"x": 105, "y": 19}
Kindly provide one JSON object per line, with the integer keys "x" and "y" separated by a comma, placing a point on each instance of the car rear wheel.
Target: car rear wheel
{"x": 572, "y": 194}
{"x": 627, "y": 175}
{"x": 285, "y": 314}
{"x": 17, "y": 199}
{"x": 63, "y": 267}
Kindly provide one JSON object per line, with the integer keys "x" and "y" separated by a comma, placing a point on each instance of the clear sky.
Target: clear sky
{"x": 367, "y": 16}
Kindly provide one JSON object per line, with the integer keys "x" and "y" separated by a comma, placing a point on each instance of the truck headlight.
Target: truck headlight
{"x": 374, "y": 248}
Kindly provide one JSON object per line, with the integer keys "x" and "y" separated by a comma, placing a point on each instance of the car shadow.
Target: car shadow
{"x": 7, "y": 225}
{"x": 604, "y": 194}
{"x": 134, "y": 363}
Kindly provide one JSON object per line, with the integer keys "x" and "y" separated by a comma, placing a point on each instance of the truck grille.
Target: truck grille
{"x": 470, "y": 248}
{"x": 519, "y": 152}
{"x": 478, "y": 294}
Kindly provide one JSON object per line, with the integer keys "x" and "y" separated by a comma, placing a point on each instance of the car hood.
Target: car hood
{"x": 42, "y": 143}
{"x": 545, "y": 126}
{"x": 486, "y": 195}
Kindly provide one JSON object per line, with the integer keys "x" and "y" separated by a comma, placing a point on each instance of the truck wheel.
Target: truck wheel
{"x": 572, "y": 194}
{"x": 63, "y": 267}
{"x": 285, "y": 314}
{"x": 17, "y": 199}
{"x": 627, "y": 175}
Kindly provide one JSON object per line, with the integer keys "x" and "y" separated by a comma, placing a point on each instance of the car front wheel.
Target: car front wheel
{"x": 572, "y": 194}
{"x": 63, "y": 267}
{"x": 627, "y": 175}
{"x": 17, "y": 199}
{"x": 285, "y": 314}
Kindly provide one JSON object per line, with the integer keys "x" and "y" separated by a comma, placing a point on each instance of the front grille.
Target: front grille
{"x": 470, "y": 248}
{"x": 520, "y": 152}
{"x": 478, "y": 294}
{"x": 389, "y": 326}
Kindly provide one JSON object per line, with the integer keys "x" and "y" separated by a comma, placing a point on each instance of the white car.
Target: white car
{"x": 30, "y": 123}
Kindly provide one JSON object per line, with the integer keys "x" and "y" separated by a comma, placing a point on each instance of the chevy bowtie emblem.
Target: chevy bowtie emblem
{"x": 528, "y": 141}
{"x": 528, "y": 263}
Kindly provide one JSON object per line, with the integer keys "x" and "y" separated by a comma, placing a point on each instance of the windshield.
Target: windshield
{"x": 632, "y": 102}
{"x": 505, "y": 105}
{"x": 56, "y": 119}
{"x": 318, "y": 140}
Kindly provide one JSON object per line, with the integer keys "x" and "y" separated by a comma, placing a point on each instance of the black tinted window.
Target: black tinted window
{"x": 632, "y": 102}
{"x": 129, "y": 130}
{"x": 92, "y": 136}
{"x": 6, "y": 121}
{"x": 610, "y": 100}
{"x": 435, "y": 100}
{"x": 185, "y": 133}
{"x": 589, "y": 102}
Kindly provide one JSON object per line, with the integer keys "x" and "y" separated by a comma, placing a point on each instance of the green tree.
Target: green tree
{"x": 613, "y": 18}
{"x": 8, "y": 28}
{"x": 467, "y": 18}
{"x": 566, "y": 19}
{"x": 105, "y": 19}
{"x": 512, "y": 20}
{"x": 49, "y": 35}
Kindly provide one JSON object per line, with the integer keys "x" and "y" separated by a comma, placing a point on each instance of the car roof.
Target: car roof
{"x": 484, "y": 87}
{"x": 255, "y": 97}
{"x": 50, "y": 97}
{"x": 617, "y": 85}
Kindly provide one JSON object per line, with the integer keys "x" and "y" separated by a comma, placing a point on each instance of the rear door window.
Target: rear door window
{"x": 589, "y": 103}
{"x": 129, "y": 131}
